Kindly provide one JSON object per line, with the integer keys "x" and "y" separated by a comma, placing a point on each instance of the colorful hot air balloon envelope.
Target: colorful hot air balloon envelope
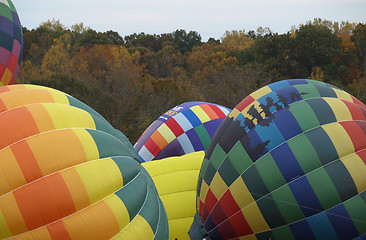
{"x": 175, "y": 179}
{"x": 24, "y": 94}
{"x": 11, "y": 42}
{"x": 287, "y": 163}
{"x": 65, "y": 173}
{"x": 184, "y": 129}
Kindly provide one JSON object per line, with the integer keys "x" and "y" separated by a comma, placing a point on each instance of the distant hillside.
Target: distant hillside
{"x": 132, "y": 80}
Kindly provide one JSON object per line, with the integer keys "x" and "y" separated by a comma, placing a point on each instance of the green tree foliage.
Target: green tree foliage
{"x": 152, "y": 42}
{"x": 114, "y": 38}
{"x": 359, "y": 38}
{"x": 317, "y": 46}
{"x": 64, "y": 83}
{"x": 186, "y": 41}
{"x": 274, "y": 52}
{"x": 132, "y": 80}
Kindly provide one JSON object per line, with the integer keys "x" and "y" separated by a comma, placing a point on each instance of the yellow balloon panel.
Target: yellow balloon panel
{"x": 176, "y": 181}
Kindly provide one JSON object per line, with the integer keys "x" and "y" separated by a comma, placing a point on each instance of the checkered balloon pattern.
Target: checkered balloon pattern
{"x": 183, "y": 129}
{"x": 11, "y": 42}
{"x": 287, "y": 163}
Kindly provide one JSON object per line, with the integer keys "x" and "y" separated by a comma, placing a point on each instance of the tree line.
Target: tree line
{"x": 132, "y": 80}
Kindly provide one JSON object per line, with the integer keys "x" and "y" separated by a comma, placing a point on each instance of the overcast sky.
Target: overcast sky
{"x": 210, "y": 18}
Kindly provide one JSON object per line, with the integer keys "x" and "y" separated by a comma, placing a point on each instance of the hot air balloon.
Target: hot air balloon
{"x": 11, "y": 42}
{"x": 183, "y": 129}
{"x": 14, "y": 96}
{"x": 175, "y": 179}
{"x": 65, "y": 173}
{"x": 287, "y": 163}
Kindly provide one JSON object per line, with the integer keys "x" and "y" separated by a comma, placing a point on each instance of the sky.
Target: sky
{"x": 210, "y": 18}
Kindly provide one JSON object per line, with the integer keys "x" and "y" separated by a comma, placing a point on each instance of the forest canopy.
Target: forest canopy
{"x": 132, "y": 80}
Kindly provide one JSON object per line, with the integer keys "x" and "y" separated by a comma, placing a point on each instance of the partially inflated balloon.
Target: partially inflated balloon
{"x": 11, "y": 42}
{"x": 175, "y": 179}
{"x": 65, "y": 173}
{"x": 184, "y": 129}
{"x": 287, "y": 163}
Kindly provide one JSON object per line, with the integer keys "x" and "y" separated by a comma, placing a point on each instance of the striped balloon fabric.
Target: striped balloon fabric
{"x": 287, "y": 163}
{"x": 18, "y": 95}
{"x": 184, "y": 129}
{"x": 11, "y": 42}
{"x": 66, "y": 173}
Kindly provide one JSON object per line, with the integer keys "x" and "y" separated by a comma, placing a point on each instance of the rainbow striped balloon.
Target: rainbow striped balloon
{"x": 184, "y": 129}
{"x": 289, "y": 162}
{"x": 65, "y": 173}
{"x": 11, "y": 42}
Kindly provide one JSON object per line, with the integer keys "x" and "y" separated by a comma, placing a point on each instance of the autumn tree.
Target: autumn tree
{"x": 132, "y": 80}
{"x": 114, "y": 70}
{"x": 43, "y": 64}
{"x": 36, "y": 44}
{"x": 27, "y": 72}
{"x": 344, "y": 32}
{"x": 57, "y": 59}
{"x": 54, "y": 26}
{"x": 158, "y": 95}
{"x": 236, "y": 40}
{"x": 219, "y": 77}
{"x": 161, "y": 64}
{"x": 79, "y": 28}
